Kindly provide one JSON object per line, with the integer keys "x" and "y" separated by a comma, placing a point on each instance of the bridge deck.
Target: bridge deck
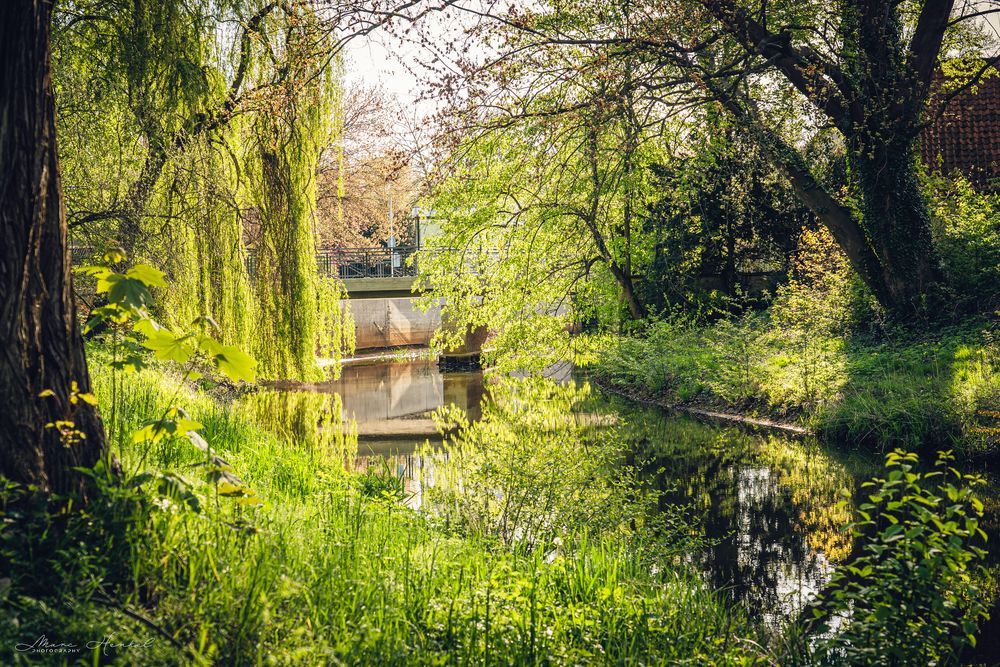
{"x": 374, "y": 288}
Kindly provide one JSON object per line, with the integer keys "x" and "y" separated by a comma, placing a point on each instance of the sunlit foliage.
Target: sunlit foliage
{"x": 191, "y": 134}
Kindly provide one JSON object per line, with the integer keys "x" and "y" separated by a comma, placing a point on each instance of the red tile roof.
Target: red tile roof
{"x": 966, "y": 136}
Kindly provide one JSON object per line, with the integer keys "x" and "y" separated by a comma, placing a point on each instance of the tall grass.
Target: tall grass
{"x": 323, "y": 573}
{"x": 937, "y": 391}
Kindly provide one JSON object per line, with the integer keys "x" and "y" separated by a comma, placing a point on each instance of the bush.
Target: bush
{"x": 966, "y": 228}
{"x": 911, "y": 597}
{"x": 823, "y": 296}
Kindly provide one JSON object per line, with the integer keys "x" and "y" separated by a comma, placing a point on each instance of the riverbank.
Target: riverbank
{"x": 919, "y": 392}
{"x": 307, "y": 562}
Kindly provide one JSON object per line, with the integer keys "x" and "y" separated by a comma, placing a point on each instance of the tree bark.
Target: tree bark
{"x": 839, "y": 220}
{"x": 636, "y": 309}
{"x": 898, "y": 225}
{"x": 621, "y": 271}
{"x": 42, "y": 350}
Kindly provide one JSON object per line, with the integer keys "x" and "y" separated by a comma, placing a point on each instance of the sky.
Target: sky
{"x": 370, "y": 62}
{"x": 378, "y": 59}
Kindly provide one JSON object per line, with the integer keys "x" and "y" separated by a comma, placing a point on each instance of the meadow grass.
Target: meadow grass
{"x": 924, "y": 392}
{"x": 323, "y": 572}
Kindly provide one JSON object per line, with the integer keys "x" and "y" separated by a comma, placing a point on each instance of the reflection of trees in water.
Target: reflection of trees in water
{"x": 315, "y": 420}
{"x": 770, "y": 503}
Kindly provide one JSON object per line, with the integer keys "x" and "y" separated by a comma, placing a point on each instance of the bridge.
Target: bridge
{"x": 370, "y": 273}
{"x": 379, "y": 283}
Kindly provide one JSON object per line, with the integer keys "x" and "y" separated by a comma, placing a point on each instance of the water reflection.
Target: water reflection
{"x": 769, "y": 503}
{"x": 392, "y": 402}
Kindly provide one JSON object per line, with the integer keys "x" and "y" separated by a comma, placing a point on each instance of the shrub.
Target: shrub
{"x": 823, "y": 294}
{"x": 966, "y": 227}
{"x": 911, "y": 597}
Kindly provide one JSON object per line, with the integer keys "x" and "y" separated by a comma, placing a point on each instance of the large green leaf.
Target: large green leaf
{"x": 233, "y": 362}
{"x": 95, "y": 271}
{"x": 236, "y": 364}
{"x": 147, "y": 275}
{"x": 167, "y": 346}
{"x": 146, "y": 326}
{"x": 123, "y": 290}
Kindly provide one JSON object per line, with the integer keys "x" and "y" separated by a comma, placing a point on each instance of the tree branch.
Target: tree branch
{"x": 819, "y": 80}
{"x": 925, "y": 46}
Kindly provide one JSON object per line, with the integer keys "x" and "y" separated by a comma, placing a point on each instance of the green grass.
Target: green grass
{"x": 325, "y": 571}
{"x": 913, "y": 391}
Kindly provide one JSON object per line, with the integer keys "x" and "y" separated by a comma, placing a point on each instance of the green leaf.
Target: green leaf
{"x": 168, "y": 346}
{"x": 92, "y": 323}
{"x": 133, "y": 363}
{"x": 146, "y": 326}
{"x": 147, "y": 275}
{"x": 236, "y": 364}
{"x": 184, "y": 424}
{"x": 197, "y": 440}
{"x": 229, "y": 489}
{"x": 95, "y": 271}
{"x": 127, "y": 291}
{"x": 117, "y": 313}
{"x": 151, "y": 432}
{"x": 88, "y": 398}
{"x": 139, "y": 480}
{"x": 894, "y": 529}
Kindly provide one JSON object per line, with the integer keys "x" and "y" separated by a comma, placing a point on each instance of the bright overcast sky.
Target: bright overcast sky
{"x": 369, "y": 63}
{"x": 378, "y": 59}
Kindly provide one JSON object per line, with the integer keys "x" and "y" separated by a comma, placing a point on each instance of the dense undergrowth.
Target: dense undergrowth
{"x": 824, "y": 355}
{"x": 537, "y": 543}
{"x": 331, "y": 568}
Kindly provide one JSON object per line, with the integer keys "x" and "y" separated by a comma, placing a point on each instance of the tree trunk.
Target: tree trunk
{"x": 42, "y": 350}
{"x": 636, "y": 309}
{"x": 873, "y": 92}
{"x": 837, "y": 218}
{"x": 897, "y": 223}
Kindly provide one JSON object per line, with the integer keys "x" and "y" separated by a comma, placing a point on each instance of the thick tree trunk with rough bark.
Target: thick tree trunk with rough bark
{"x": 42, "y": 351}
{"x": 897, "y": 222}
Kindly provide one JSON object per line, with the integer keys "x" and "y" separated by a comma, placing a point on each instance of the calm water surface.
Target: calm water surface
{"x": 768, "y": 502}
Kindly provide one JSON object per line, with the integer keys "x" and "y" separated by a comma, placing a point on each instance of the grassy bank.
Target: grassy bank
{"x": 315, "y": 565}
{"x": 903, "y": 390}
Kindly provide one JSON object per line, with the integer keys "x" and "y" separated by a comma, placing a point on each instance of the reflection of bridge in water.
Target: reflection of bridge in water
{"x": 393, "y": 403}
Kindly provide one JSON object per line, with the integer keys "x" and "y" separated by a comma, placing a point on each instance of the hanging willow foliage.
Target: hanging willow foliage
{"x": 300, "y": 312}
{"x": 203, "y": 249}
{"x": 196, "y": 148}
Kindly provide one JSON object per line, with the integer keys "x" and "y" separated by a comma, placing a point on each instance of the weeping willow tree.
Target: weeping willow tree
{"x": 282, "y": 158}
{"x": 203, "y": 250}
{"x": 194, "y": 144}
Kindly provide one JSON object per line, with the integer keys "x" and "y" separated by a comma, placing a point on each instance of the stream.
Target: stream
{"x": 767, "y": 502}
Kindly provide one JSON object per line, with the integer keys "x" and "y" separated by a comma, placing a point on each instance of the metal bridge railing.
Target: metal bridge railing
{"x": 346, "y": 263}
{"x": 343, "y": 263}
